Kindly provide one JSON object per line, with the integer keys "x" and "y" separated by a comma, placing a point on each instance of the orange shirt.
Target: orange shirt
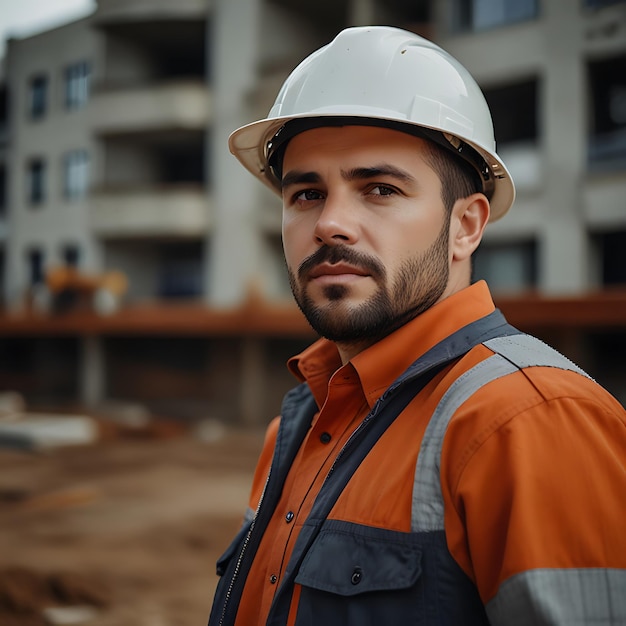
{"x": 345, "y": 395}
{"x": 510, "y": 428}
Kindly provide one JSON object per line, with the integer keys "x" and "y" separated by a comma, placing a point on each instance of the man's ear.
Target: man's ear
{"x": 468, "y": 220}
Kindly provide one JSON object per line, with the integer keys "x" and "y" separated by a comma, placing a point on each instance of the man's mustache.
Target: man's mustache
{"x": 338, "y": 254}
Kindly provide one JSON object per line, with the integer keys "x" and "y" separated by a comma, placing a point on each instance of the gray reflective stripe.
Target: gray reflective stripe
{"x": 567, "y": 597}
{"x": 512, "y": 353}
{"x": 528, "y": 351}
{"x": 427, "y": 508}
{"x": 249, "y": 515}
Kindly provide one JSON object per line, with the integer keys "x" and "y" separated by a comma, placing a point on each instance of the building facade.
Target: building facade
{"x": 140, "y": 263}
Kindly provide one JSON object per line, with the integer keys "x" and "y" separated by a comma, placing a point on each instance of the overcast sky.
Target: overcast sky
{"x": 25, "y": 17}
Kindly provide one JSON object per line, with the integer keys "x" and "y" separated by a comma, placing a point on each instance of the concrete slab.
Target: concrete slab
{"x": 48, "y": 431}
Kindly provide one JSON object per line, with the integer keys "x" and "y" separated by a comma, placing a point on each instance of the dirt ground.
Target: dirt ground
{"x": 124, "y": 532}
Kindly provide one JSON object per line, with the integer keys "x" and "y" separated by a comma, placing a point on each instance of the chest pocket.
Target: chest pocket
{"x": 354, "y": 574}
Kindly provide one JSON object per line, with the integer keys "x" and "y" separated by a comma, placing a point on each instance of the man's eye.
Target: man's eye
{"x": 382, "y": 190}
{"x": 307, "y": 195}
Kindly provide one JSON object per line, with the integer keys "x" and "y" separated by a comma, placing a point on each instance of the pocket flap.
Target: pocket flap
{"x": 349, "y": 559}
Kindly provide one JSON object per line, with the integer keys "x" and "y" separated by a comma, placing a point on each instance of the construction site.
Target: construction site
{"x": 111, "y": 524}
{"x": 145, "y": 312}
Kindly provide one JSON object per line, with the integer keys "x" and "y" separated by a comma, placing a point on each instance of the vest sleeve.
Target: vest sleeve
{"x": 533, "y": 479}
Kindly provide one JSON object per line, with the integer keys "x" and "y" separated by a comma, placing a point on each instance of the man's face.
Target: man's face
{"x": 365, "y": 231}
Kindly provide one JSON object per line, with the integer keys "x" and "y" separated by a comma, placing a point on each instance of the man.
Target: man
{"x": 435, "y": 466}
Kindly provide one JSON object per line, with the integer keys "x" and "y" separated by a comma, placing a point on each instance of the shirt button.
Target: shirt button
{"x": 356, "y": 576}
{"x": 273, "y": 579}
{"x": 289, "y": 517}
{"x": 325, "y": 437}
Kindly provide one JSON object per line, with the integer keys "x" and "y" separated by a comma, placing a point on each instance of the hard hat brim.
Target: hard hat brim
{"x": 249, "y": 144}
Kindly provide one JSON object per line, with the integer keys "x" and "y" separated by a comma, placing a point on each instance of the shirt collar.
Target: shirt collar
{"x": 380, "y": 364}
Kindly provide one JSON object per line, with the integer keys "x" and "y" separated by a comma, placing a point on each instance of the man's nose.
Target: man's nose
{"x": 337, "y": 221}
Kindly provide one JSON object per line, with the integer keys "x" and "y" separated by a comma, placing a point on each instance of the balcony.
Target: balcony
{"x": 121, "y": 10}
{"x": 183, "y": 105}
{"x": 148, "y": 213}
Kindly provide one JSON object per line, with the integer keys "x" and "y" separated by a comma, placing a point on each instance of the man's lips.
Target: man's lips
{"x": 336, "y": 269}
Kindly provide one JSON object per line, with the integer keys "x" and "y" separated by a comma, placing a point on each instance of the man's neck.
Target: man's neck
{"x": 348, "y": 350}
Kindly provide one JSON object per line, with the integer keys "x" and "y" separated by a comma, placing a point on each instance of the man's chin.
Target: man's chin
{"x": 342, "y": 321}
{"x": 330, "y": 318}
{"x": 338, "y": 296}
{"x": 338, "y": 311}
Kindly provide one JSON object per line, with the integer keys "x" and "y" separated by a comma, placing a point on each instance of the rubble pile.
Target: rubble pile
{"x": 30, "y": 598}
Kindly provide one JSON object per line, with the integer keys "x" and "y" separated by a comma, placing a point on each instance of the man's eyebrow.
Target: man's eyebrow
{"x": 384, "y": 169}
{"x": 296, "y": 177}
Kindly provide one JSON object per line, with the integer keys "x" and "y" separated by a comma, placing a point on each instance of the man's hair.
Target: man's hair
{"x": 458, "y": 179}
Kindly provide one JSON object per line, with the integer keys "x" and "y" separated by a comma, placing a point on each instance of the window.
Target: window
{"x": 409, "y": 11}
{"x": 3, "y": 265}
{"x": 473, "y": 15}
{"x": 180, "y": 270}
{"x": 77, "y": 79}
{"x": 607, "y": 88}
{"x": 70, "y": 254}
{"x": 3, "y": 190}
{"x": 612, "y": 248}
{"x": 38, "y": 96}
{"x": 35, "y": 266}
{"x": 182, "y": 163}
{"x": 507, "y": 267}
{"x": 36, "y": 181}
{"x": 514, "y": 111}
{"x": 4, "y": 107}
{"x": 76, "y": 174}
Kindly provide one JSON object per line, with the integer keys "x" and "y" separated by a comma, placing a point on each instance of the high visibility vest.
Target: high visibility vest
{"x": 410, "y": 578}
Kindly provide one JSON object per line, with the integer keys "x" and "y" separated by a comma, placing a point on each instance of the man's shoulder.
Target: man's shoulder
{"x": 493, "y": 386}
{"x": 550, "y": 373}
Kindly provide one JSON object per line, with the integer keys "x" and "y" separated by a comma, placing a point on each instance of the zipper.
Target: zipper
{"x": 357, "y": 432}
{"x": 367, "y": 420}
{"x": 248, "y": 539}
{"x": 242, "y": 552}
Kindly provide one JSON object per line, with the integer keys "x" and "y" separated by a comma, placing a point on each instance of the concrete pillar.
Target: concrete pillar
{"x": 233, "y": 43}
{"x": 361, "y": 12}
{"x": 564, "y": 257}
{"x": 92, "y": 371}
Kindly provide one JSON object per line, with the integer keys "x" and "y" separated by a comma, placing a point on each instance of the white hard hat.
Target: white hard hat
{"x": 388, "y": 77}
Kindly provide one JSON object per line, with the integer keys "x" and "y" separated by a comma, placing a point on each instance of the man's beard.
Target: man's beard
{"x": 420, "y": 283}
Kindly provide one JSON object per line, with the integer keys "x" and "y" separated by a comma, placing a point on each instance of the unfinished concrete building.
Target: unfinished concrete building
{"x": 141, "y": 264}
